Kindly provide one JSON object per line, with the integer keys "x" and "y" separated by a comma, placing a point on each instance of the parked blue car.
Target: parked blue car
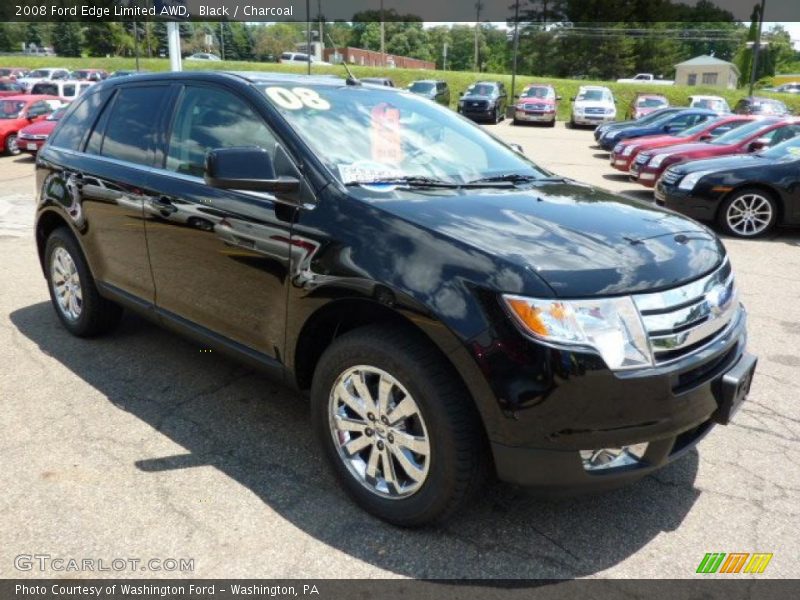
{"x": 671, "y": 123}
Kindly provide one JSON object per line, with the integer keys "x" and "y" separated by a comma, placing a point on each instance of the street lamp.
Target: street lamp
{"x": 756, "y": 47}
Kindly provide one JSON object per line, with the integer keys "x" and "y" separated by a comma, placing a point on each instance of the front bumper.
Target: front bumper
{"x": 30, "y": 146}
{"x": 671, "y": 407}
{"x": 534, "y": 117}
{"x": 483, "y": 114}
{"x": 592, "y": 119}
{"x": 701, "y": 207}
{"x": 647, "y": 176}
{"x": 619, "y": 162}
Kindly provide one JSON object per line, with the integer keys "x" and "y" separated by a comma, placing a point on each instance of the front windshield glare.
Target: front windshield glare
{"x": 742, "y": 133}
{"x": 788, "y": 150}
{"x": 366, "y": 134}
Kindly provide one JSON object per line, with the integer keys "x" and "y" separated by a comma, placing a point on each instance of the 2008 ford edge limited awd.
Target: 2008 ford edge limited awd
{"x": 453, "y": 310}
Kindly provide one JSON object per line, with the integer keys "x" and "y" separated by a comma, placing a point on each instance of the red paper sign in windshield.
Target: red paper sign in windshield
{"x": 387, "y": 144}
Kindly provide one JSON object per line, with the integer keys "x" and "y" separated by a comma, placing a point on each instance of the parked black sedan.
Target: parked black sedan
{"x": 484, "y": 101}
{"x": 747, "y": 195}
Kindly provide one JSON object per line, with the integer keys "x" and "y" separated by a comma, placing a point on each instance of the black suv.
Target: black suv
{"x": 453, "y": 310}
{"x": 484, "y": 101}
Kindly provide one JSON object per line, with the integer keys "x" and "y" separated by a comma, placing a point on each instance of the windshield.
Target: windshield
{"x": 370, "y": 134}
{"x": 480, "y": 89}
{"x": 38, "y": 73}
{"x": 10, "y": 109}
{"x": 591, "y": 95}
{"x": 742, "y": 133}
{"x": 711, "y": 104}
{"x": 57, "y": 114}
{"x": 539, "y": 92}
{"x": 421, "y": 86}
{"x": 651, "y": 102}
{"x": 785, "y": 151}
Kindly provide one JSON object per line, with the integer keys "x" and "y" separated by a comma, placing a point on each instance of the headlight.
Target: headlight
{"x": 688, "y": 182}
{"x": 617, "y": 149}
{"x": 578, "y": 110}
{"x": 657, "y": 160}
{"x": 611, "y": 111}
{"x": 610, "y": 327}
{"x": 628, "y": 150}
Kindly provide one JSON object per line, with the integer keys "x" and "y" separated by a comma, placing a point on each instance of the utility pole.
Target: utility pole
{"x": 756, "y": 47}
{"x": 136, "y": 43}
{"x": 308, "y": 34}
{"x": 478, "y": 7}
{"x": 516, "y": 50}
{"x": 321, "y": 39}
{"x": 383, "y": 39}
{"x": 221, "y": 41}
{"x": 174, "y": 39}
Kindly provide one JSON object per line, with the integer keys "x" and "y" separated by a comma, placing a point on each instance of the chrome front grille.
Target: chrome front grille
{"x": 683, "y": 319}
{"x": 642, "y": 159}
{"x": 594, "y": 111}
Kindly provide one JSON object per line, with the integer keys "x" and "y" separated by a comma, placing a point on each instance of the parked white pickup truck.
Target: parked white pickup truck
{"x": 648, "y": 78}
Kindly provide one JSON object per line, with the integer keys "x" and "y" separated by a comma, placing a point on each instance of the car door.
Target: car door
{"x": 219, "y": 257}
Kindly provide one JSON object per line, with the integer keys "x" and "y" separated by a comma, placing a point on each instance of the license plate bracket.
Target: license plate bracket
{"x": 733, "y": 388}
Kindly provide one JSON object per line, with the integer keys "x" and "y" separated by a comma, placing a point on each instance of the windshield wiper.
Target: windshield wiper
{"x": 507, "y": 178}
{"x": 408, "y": 181}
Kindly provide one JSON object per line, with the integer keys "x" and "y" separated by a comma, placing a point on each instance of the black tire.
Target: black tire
{"x": 571, "y": 124}
{"x": 768, "y": 209}
{"x": 553, "y": 123}
{"x": 515, "y": 121}
{"x": 11, "y": 148}
{"x": 459, "y": 456}
{"x": 97, "y": 314}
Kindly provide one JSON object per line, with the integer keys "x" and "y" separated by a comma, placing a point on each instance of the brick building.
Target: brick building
{"x": 372, "y": 58}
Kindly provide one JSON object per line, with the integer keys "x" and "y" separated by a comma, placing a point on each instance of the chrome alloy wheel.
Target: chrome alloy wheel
{"x": 749, "y": 214}
{"x": 379, "y": 432}
{"x": 66, "y": 284}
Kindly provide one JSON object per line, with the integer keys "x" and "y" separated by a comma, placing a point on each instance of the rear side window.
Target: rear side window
{"x": 132, "y": 128}
{"x": 69, "y": 90}
{"x": 208, "y": 118}
{"x": 47, "y": 89}
{"x": 72, "y": 129}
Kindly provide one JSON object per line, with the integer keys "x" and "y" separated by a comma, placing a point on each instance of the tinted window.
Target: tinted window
{"x": 132, "y": 127}
{"x": 49, "y": 89}
{"x": 209, "y": 118}
{"x": 73, "y": 127}
{"x": 69, "y": 90}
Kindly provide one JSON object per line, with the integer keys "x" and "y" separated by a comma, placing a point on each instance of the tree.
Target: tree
{"x": 6, "y": 44}
{"x": 270, "y": 41}
{"x": 67, "y": 38}
{"x": 104, "y": 38}
{"x": 33, "y": 35}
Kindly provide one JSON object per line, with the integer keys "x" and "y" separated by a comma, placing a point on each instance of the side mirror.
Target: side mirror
{"x": 246, "y": 168}
{"x": 516, "y": 96}
{"x": 758, "y": 144}
{"x": 572, "y": 99}
{"x": 705, "y": 137}
{"x": 667, "y": 128}
{"x": 558, "y": 97}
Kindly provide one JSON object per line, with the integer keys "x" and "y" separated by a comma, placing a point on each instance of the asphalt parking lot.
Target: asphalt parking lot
{"x": 138, "y": 445}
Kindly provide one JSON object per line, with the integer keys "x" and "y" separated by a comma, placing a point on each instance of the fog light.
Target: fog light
{"x": 613, "y": 458}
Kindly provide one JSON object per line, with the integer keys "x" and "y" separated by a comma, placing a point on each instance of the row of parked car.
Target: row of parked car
{"x": 741, "y": 171}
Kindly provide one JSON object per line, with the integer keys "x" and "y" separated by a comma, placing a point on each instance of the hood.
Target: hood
{"x": 581, "y": 241}
{"x": 7, "y": 125}
{"x": 593, "y": 104}
{"x": 532, "y": 100}
{"x": 44, "y": 127}
{"x": 724, "y": 163}
{"x": 699, "y": 148}
{"x": 648, "y": 141}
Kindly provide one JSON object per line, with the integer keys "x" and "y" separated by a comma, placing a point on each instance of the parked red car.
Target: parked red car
{"x": 8, "y": 87}
{"x": 30, "y": 139}
{"x": 537, "y": 103}
{"x": 17, "y": 112}
{"x": 13, "y": 72}
{"x": 625, "y": 152}
{"x": 761, "y": 133}
{"x": 645, "y": 103}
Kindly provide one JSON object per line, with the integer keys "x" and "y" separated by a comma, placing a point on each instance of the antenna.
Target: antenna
{"x": 351, "y": 79}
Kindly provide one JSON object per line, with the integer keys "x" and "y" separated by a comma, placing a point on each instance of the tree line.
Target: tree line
{"x": 557, "y": 38}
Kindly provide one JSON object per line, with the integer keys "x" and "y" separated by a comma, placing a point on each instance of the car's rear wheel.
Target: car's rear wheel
{"x": 11, "y": 145}
{"x": 73, "y": 292}
{"x": 397, "y": 425}
{"x": 748, "y": 213}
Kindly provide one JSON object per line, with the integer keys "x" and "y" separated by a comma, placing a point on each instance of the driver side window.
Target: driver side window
{"x": 208, "y": 118}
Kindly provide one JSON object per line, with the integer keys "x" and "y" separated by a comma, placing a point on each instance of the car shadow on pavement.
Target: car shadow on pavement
{"x": 258, "y": 433}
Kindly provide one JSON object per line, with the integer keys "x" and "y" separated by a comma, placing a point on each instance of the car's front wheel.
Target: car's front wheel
{"x": 399, "y": 428}
{"x": 11, "y": 145}
{"x": 73, "y": 292}
{"x": 748, "y": 213}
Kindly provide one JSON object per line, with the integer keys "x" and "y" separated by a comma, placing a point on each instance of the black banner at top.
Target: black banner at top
{"x": 563, "y": 12}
